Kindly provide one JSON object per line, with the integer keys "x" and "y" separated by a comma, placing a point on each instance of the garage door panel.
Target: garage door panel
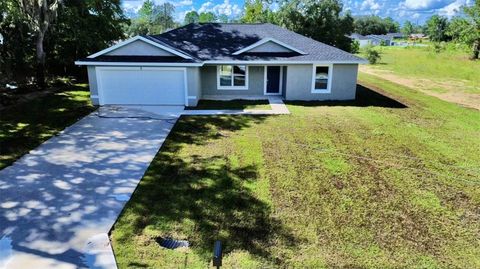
{"x": 142, "y": 86}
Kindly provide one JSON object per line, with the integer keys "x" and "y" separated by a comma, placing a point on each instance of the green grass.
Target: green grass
{"x": 233, "y": 104}
{"x": 25, "y": 126}
{"x": 374, "y": 183}
{"x": 450, "y": 66}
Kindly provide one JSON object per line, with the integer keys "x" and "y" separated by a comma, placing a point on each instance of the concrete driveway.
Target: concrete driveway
{"x": 58, "y": 203}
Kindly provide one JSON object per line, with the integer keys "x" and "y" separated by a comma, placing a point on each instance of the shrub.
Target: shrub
{"x": 373, "y": 55}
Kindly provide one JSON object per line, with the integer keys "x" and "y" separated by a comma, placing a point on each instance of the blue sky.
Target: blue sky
{"x": 400, "y": 10}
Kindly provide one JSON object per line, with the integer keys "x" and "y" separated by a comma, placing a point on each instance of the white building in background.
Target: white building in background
{"x": 1, "y": 39}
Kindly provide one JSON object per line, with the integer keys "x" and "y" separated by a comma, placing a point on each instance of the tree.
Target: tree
{"x": 256, "y": 11}
{"x": 83, "y": 27}
{"x": 391, "y": 25}
{"x": 436, "y": 28}
{"x": 407, "y": 28}
{"x": 466, "y": 29}
{"x": 191, "y": 17}
{"x": 222, "y": 18}
{"x": 374, "y": 25}
{"x": 153, "y": 19}
{"x": 40, "y": 14}
{"x": 207, "y": 17}
{"x": 162, "y": 18}
{"x": 18, "y": 44}
{"x": 320, "y": 20}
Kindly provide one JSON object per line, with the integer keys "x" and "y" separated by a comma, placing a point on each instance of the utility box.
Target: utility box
{"x": 217, "y": 254}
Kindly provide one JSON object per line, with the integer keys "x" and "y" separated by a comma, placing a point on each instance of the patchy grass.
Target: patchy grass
{"x": 448, "y": 75}
{"x": 450, "y": 65}
{"x": 233, "y": 104}
{"x": 25, "y": 126}
{"x": 375, "y": 183}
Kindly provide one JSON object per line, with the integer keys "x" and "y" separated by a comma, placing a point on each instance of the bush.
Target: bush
{"x": 355, "y": 47}
{"x": 373, "y": 56}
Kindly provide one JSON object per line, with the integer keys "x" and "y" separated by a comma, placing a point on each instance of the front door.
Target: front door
{"x": 273, "y": 80}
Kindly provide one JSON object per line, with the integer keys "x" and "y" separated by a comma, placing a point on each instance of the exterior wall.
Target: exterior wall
{"x": 193, "y": 85}
{"x": 140, "y": 48}
{"x": 209, "y": 83}
{"x": 299, "y": 83}
{"x": 92, "y": 83}
{"x": 270, "y": 47}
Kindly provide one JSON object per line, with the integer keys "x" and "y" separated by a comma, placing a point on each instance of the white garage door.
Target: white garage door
{"x": 141, "y": 86}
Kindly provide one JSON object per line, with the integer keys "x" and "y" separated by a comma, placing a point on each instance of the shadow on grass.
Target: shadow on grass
{"x": 231, "y": 104}
{"x": 204, "y": 198}
{"x": 365, "y": 97}
{"x": 27, "y": 125}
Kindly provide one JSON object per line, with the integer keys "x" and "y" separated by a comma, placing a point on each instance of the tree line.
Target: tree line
{"x": 43, "y": 38}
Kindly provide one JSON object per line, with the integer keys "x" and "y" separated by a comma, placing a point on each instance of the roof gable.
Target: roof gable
{"x": 268, "y": 45}
{"x": 140, "y": 46}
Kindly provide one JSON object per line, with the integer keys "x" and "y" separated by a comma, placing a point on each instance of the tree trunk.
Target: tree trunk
{"x": 40, "y": 60}
{"x": 476, "y": 50}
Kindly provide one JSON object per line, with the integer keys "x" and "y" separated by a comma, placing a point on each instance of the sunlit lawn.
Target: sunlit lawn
{"x": 374, "y": 183}
{"x": 450, "y": 66}
{"x": 25, "y": 126}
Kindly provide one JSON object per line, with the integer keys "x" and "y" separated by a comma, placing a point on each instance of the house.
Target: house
{"x": 371, "y": 40}
{"x": 220, "y": 61}
{"x": 396, "y": 35}
{"x": 363, "y": 41}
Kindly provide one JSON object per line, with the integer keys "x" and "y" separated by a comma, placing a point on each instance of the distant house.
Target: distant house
{"x": 417, "y": 36}
{"x": 396, "y": 35}
{"x": 374, "y": 40}
{"x": 1, "y": 39}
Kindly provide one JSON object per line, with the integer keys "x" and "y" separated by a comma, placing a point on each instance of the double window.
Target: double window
{"x": 321, "y": 78}
{"x": 233, "y": 77}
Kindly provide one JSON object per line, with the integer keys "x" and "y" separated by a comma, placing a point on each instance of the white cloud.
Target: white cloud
{"x": 225, "y": 8}
{"x": 425, "y": 4}
{"x": 370, "y": 5}
{"x": 452, "y": 9}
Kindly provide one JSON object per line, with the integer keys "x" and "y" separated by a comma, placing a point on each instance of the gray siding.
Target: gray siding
{"x": 193, "y": 84}
{"x": 140, "y": 48}
{"x": 92, "y": 83}
{"x": 299, "y": 83}
{"x": 209, "y": 82}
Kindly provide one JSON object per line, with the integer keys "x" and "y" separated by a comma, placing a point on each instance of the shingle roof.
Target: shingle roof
{"x": 218, "y": 41}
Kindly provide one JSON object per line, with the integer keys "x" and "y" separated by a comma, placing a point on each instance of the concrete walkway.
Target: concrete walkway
{"x": 58, "y": 203}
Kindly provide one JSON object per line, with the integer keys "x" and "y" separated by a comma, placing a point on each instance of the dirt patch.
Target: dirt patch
{"x": 447, "y": 91}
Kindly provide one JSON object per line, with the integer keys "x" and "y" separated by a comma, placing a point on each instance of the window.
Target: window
{"x": 321, "y": 79}
{"x": 233, "y": 77}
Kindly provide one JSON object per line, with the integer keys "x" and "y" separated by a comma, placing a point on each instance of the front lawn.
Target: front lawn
{"x": 375, "y": 183}
{"x": 25, "y": 126}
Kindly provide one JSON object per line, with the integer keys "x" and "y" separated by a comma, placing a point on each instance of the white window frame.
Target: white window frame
{"x": 219, "y": 87}
{"x": 329, "y": 83}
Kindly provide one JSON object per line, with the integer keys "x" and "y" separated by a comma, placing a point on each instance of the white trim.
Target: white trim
{"x": 329, "y": 82}
{"x": 137, "y": 64}
{"x": 265, "y": 80}
{"x": 282, "y": 62}
{"x": 133, "y": 39}
{"x": 191, "y": 97}
{"x": 232, "y": 88}
{"x": 265, "y": 40}
{"x": 99, "y": 80}
{"x": 94, "y": 96}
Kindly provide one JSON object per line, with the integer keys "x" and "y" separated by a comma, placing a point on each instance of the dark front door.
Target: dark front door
{"x": 273, "y": 79}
